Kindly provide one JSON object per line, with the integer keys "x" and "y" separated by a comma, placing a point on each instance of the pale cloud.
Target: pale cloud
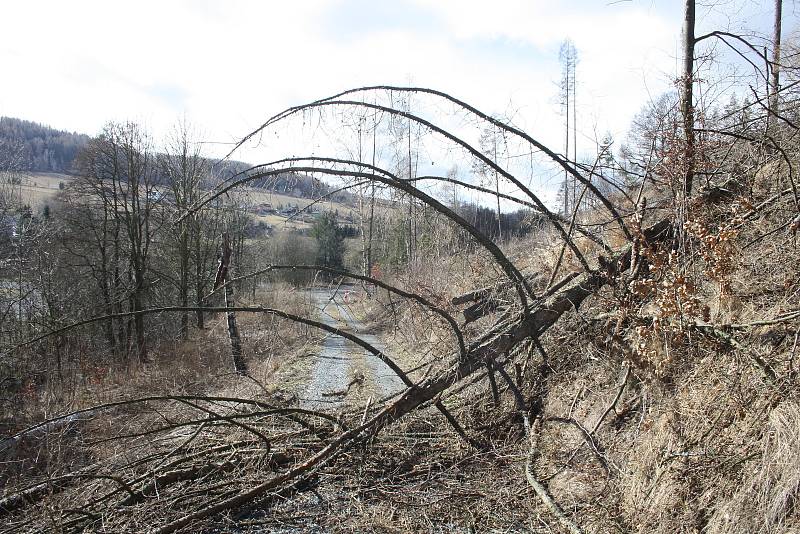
{"x": 229, "y": 65}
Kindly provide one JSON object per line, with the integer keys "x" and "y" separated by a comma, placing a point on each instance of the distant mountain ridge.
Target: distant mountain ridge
{"x": 34, "y": 147}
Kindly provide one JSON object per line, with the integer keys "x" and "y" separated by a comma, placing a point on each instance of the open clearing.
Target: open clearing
{"x": 38, "y": 188}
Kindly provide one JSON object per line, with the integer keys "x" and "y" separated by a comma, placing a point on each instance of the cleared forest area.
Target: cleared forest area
{"x": 626, "y": 362}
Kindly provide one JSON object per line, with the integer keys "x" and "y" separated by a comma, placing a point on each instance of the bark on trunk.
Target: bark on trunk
{"x": 138, "y": 325}
{"x": 776, "y": 59}
{"x": 687, "y": 107}
{"x": 223, "y": 275}
{"x": 531, "y": 326}
{"x": 199, "y": 276}
{"x": 184, "y": 284}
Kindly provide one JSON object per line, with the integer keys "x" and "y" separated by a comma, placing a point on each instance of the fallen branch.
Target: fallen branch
{"x": 545, "y": 497}
{"x": 530, "y": 325}
{"x": 168, "y": 478}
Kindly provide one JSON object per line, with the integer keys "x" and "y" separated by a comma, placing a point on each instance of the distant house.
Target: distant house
{"x": 263, "y": 209}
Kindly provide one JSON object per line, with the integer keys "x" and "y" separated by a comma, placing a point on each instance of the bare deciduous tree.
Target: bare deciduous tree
{"x": 186, "y": 169}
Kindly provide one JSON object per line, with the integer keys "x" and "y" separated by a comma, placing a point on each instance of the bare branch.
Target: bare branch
{"x": 391, "y": 180}
{"x": 347, "y": 274}
{"x": 334, "y": 100}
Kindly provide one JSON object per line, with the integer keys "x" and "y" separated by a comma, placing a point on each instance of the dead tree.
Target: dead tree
{"x": 223, "y": 273}
{"x": 687, "y": 101}
{"x": 525, "y": 319}
{"x": 186, "y": 169}
{"x": 775, "y": 81}
{"x": 121, "y": 181}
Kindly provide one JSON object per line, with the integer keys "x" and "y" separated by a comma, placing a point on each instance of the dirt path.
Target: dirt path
{"x": 339, "y": 361}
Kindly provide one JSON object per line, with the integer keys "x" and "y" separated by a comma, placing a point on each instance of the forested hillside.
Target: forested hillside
{"x": 31, "y": 146}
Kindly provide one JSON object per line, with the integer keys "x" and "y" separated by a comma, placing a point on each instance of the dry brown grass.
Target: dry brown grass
{"x": 765, "y": 499}
{"x": 701, "y": 439}
{"x": 38, "y": 189}
{"x": 705, "y": 444}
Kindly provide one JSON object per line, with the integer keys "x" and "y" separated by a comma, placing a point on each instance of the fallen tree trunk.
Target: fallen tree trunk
{"x": 523, "y": 319}
{"x": 34, "y": 494}
{"x": 485, "y": 302}
{"x": 518, "y": 325}
{"x": 172, "y": 477}
{"x": 485, "y": 292}
{"x": 530, "y": 325}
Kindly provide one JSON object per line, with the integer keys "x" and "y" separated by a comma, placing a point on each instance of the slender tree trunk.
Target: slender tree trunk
{"x": 566, "y": 150}
{"x": 569, "y": 58}
{"x": 410, "y": 204}
{"x": 363, "y": 232}
{"x": 365, "y": 268}
{"x": 122, "y": 336}
{"x": 108, "y": 301}
{"x": 138, "y": 321}
{"x": 575, "y": 123}
{"x": 200, "y": 304}
{"x": 223, "y": 275}
{"x": 687, "y": 84}
{"x": 497, "y": 190}
{"x": 108, "y": 325}
{"x": 370, "y": 229}
{"x": 184, "y": 282}
{"x": 117, "y": 290}
{"x": 776, "y": 59}
{"x": 198, "y": 277}
{"x": 239, "y": 365}
{"x": 371, "y": 205}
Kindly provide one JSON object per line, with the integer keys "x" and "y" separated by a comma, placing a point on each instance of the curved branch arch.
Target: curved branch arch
{"x": 561, "y": 161}
{"x": 554, "y": 220}
{"x": 388, "y": 178}
{"x": 383, "y": 285}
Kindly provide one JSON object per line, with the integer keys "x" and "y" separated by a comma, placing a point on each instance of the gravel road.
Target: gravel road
{"x": 332, "y": 368}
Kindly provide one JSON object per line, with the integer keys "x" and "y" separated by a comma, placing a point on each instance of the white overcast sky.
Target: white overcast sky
{"x": 227, "y": 65}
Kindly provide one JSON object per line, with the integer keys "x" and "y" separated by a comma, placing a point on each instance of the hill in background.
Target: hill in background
{"x": 31, "y": 147}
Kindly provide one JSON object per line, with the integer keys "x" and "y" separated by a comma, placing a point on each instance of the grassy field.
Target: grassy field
{"x": 261, "y": 196}
{"x": 282, "y": 223}
{"x": 37, "y": 189}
